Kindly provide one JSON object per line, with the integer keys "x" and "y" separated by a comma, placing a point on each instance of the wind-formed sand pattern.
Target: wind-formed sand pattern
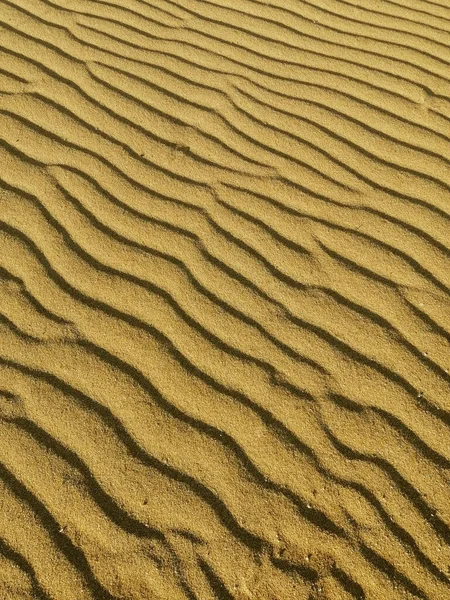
{"x": 224, "y": 299}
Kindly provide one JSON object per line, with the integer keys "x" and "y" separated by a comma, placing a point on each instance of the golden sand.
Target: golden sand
{"x": 224, "y": 299}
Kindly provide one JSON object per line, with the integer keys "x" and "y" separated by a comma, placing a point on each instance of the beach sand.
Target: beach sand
{"x": 224, "y": 299}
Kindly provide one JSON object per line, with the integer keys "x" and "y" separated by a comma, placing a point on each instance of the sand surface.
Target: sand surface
{"x": 224, "y": 299}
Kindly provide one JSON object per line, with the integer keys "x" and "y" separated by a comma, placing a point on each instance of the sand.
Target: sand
{"x": 224, "y": 299}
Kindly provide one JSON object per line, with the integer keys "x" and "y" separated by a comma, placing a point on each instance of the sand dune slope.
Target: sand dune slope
{"x": 224, "y": 299}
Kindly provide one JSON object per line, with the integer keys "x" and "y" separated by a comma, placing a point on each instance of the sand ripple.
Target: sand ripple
{"x": 224, "y": 299}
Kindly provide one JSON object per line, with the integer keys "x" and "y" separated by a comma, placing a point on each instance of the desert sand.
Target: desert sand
{"x": 224, "y": 299}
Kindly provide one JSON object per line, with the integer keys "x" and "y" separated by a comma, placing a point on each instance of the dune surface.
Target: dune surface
{"x": 224, "y": 299}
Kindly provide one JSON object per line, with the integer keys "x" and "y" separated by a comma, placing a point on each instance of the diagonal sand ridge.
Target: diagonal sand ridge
{"x": 224, "y": 299}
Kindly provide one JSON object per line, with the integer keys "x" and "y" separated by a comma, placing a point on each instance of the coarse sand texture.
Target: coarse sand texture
{"x": 224, "y": 299}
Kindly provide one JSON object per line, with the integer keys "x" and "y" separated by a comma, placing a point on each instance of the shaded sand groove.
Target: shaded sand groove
{"x": 224, "y": 299}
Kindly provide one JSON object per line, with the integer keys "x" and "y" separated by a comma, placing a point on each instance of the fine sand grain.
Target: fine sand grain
{"x": 224, "y": 299}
